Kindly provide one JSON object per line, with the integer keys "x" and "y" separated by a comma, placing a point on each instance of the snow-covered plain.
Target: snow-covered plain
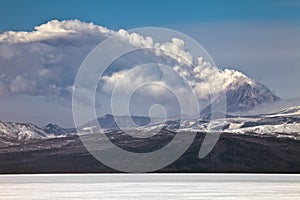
{"x": 151, "y": 186}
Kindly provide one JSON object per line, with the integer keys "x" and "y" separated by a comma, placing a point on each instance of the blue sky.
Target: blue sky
{"x": 24, "y": 15}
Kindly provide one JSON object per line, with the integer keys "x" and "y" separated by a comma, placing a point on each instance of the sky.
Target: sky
{"x": 115, "y": 14}
{"x": 259, "y": 38}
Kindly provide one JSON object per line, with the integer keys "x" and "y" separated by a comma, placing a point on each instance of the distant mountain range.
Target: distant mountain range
{"x": 285, "y": 123}
{"x": 257, "y": 143}
{"x": 253, "y": 143}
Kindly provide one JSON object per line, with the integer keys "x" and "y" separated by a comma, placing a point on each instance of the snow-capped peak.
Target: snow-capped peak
{"x": 25, "y": 131}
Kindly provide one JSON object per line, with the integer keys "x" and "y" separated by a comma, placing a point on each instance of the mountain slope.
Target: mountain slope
{"x": 247, "y": 96}
{"x": 28, "y": 131}
{"x": 22, "y": 131}
{"x": 109, "y": 122}
{"x": 244, "y": 96}
{"x": 57, "y": 130}
{"x": 285, "y": 123}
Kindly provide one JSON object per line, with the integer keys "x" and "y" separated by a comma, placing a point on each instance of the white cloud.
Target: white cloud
{"x": 205, "y": 78}
{"x": 175, "y": 50}
{"x": 136, "y": 39}
{"x": 152, "y": 84}
{"x": 44, "y": 62}
{"x": 52, "y": 30}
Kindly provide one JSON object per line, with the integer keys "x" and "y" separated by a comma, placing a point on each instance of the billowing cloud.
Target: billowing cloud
{"x": 44, "y": 62}
{"x": 146, "y": 85}
{"x": 205, "y": 78}
{"x": 54, "y": 30}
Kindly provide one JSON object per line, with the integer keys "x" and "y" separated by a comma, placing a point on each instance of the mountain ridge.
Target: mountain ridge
{"x": 284, "y": 123}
